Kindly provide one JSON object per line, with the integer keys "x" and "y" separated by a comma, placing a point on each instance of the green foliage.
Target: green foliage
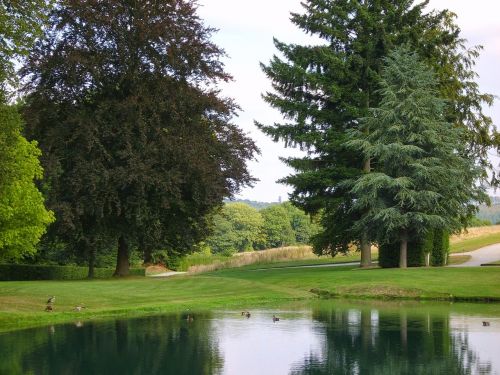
{"x": 388, "y": 255}
{"x": 237, "y": 227}
{"x": 323, "y": 89}
{"x": 138, "y": 144}
{"x": 21, "y": 23}
{"x": 441, "y": 248}
{"x": 422, "y": 179}
{"x": 418, "y": 249}
{"x": 477, "y": 222}
{"x": 21, "y": 272}
{"x": 23, "y": 217}
{"x": 277, "y": 227}
{"x": 303, "y": 226}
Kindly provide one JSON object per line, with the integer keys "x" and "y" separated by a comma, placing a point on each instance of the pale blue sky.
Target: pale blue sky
{"x": 246, "y": 31}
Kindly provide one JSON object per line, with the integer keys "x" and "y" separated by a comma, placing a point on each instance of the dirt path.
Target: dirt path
{"x": 168, "y": 274}
{"x": 484, "y": 255}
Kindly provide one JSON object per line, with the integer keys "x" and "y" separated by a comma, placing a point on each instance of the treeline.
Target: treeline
{"x": 239, "y": 227}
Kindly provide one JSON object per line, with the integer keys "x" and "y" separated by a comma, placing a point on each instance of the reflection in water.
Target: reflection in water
{"x": 367, "y": 341}
{"x": 374, "y": 338}
{"x": 155, "y": 345}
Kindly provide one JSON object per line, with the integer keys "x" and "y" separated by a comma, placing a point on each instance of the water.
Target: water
{"x": 325, "y": 338}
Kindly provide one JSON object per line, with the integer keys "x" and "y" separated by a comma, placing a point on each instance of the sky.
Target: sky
{"x": 246, "y": 32}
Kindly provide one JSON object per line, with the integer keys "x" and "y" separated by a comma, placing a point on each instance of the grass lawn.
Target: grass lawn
{"x": 22, "y": 303}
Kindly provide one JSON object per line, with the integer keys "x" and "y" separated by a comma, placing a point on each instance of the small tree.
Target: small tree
{"x": 23, "y": 217}
{"x": 422, "y": 180}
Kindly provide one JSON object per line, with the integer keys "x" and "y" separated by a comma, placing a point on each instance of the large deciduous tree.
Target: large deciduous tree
{"x": 23, "y": 217}
{"x": 137, "y": 141}
{"x": 322, "y": 90}
{"x": 424, "y": 178}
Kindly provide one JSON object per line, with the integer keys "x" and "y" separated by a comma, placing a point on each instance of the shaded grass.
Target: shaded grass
{"x": 22, "y": 303}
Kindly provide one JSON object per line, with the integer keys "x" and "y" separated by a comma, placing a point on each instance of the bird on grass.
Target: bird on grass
{"x": 275, "y": 319}
{"x": 49, "y": 308}
{"x": 79, "y": 308}
{"x": 51, "y": 300}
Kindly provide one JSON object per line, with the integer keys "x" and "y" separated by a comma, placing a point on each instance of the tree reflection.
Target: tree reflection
{"x": 369, "y": 341}
{"x": 166, "y": 345}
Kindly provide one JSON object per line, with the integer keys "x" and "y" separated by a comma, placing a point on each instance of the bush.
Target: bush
{"x": 388, "y": 255}
{"x": 441, "y": 248}
{"x": 25, "y": 272}
{"x": 418, "y": 249}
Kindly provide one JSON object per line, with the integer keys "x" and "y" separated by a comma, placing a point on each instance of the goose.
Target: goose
{"x": 275, "y": 318}
{"x": 79, "y": 308}
{"x": 247, "y": 314}
{"x": 49, "y": 308}
{"x": 486, "y": 324}
{"x": 51, "y": 300}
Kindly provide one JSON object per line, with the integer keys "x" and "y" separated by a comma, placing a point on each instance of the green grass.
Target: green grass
{"x": 475, "y": 243}
{"x": 22, "y": 303}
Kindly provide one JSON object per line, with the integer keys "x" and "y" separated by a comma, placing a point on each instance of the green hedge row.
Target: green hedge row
{"x": 22, "y": 272}
{"x": 435, "y": 242}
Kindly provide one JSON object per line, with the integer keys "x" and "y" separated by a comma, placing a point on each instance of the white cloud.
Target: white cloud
{"x": 246, "y": 32}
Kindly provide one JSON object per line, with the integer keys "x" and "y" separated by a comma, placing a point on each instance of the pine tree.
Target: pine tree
{"x": 322, "y": 90}
{"x": 424, "y": 178}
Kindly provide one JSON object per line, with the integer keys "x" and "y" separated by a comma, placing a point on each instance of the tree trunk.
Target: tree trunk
{"x": 366, "y": 249}
{"x": 403, "y": 250}
{"x": 122, "y": 262}
{"x": 92, "y": 254}
{"x": 147, "y": 253}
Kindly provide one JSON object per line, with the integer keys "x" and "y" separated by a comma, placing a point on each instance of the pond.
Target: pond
{"x": 332, "y": 337}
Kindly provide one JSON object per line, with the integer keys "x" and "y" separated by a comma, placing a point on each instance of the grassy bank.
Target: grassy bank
{"x": 22, "y": 303}
{"x": 475, "y": 238}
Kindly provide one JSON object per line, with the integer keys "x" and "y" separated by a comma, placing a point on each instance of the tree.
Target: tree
{"x": 322, "y": 90}
{"x": 20, "y": 24}
{"x": 137, "y": 141}
{"x": 303, "y": 226}
{"x": 277, "y": 227}
{"x": 23, "y": 217}
{"x": 236, "y": 228}
{"x": 424, "y": 178}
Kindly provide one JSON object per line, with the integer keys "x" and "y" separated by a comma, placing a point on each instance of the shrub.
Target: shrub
{"x": 388, "y": 255}
{"x": 441, "y": 248}
{"x": 418, "y": 249}
{"x": 25, "y": 272}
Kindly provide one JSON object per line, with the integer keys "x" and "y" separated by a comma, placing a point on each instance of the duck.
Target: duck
{"x": 51, "y": 300}
{"x": 486, "y": 324}
{"x": 275, "y": 318}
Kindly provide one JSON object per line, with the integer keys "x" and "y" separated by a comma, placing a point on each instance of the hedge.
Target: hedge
{"x": 436, "y": 243}
{"x": 24, "y": 272}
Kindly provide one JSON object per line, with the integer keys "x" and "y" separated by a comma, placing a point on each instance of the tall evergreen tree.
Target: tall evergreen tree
{"x": 424, "y": 178}
{"x": 322, "y": 90}
{"x": 137, "y": 141}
